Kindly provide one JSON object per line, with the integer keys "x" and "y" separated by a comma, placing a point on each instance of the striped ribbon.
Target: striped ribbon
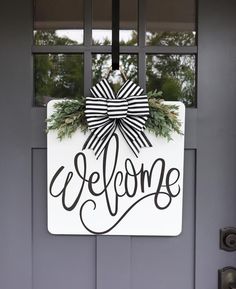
{"x": 105, "y": 112}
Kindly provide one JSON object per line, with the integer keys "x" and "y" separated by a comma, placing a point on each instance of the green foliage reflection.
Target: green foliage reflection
{"x": 62, "y": 75}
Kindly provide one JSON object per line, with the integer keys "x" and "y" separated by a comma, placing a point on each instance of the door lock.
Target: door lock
{"x": 227, "y": 278}
{"x": 228, "y": 239}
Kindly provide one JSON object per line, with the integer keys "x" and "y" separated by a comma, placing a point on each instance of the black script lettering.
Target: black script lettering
{"x": 146, "y": 175}
{"x": 106, "y": 184}
{"x": 128, "y": 163}
{"x": 67, "y": 181}
{"x": 119, "y": 174}
{"x": 96, "y": 177}
{"x": 134, "y": 183}
{"x": 168, "y": 185}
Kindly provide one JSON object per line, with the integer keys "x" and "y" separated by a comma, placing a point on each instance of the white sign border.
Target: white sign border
{"x": 61, "y": 222}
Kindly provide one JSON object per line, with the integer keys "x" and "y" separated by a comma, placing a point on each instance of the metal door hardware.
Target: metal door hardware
{"x": 228, "y": 239}
{"x": 227, "y": 278}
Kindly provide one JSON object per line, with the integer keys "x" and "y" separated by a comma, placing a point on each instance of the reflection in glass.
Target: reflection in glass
{"x": 101, "y": 26}
{"x": 174, "y": 75}
{"x": 171, "y": 22}
{"x": 129, "y": 22}
{"x": 101, "y": 67}
{"x": 58, "y": 22}
{"x": 58, "y": 37}
{"x": 57, "y": 76}
{"x": 102, "y": 22}
{"x": 101, "y": 37}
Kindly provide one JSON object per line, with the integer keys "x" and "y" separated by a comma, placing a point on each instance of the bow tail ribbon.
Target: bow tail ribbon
{"x": 99, "y": 138}
{"x": 134, "y": 138}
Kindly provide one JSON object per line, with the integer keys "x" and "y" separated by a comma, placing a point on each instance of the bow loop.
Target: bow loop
{"x": 102, "y": 89}
{"x": 129, "y": 89}
{"x": 138, "y": 105}
{"x": 105, "y": 111}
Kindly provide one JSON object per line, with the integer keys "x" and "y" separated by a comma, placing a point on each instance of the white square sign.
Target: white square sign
{"x": 118, "y": 193}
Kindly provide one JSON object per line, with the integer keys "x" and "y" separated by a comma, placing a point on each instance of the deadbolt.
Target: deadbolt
{"x": 228, "y": 239}
{"x": 227, "y": 278}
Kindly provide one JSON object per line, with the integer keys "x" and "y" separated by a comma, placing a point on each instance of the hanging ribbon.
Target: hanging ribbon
{"x": 105, "y": 112}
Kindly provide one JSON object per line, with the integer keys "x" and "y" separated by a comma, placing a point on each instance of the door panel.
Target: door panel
{"x": 162, "y": 262}
{"x": 15, "y": 104}
{"x": 58, "y": 261}
{"x": 31, "y": 258}
{"x": 153, "y": 262}
{"x": 216, "y": 137}
{"x": 73, "y": 260}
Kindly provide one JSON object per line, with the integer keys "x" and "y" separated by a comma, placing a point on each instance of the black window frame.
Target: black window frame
{"x": 141, "y": 49}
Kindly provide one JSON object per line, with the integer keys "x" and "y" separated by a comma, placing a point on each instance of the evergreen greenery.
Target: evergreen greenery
{"x": 163, "y": 119}
{"x": 69, "y": 115}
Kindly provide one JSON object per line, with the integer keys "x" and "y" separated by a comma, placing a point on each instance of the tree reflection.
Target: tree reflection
{"x": 61, "y": 75}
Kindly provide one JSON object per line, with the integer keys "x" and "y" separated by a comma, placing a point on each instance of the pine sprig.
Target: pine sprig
{"x": 69, "y": 115}
{"x": 163, "y": 119}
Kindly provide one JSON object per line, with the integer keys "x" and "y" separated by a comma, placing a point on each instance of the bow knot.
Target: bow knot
{"x": 117, "y": 108}
{"x": 105, "y": 111}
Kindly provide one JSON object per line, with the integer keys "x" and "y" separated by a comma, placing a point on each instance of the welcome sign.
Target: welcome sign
{"x": 117, "y": 193}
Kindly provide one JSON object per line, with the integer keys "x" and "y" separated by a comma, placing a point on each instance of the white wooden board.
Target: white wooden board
{"x": 123, "y": 196}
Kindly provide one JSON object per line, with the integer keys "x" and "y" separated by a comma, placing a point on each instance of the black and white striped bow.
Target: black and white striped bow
{"x": 105, "y": 111}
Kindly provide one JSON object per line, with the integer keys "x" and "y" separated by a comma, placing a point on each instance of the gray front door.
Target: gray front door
{"x": 31, "y": 258}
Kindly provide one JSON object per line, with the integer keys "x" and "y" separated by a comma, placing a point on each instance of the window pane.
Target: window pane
{"x": 101, "y": 64}
{"x": 171, "y": 22}
{"x": 129, "y": 22}
{"x": 101, "y": 30}
{"x": 102, "y": 22}
{"x": 58, "y": 22}
{"x": 58, "y": 76}
{"x": 174, "y": 75}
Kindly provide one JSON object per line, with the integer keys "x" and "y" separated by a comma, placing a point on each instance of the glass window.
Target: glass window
{"x": 101, "y": 65}
{"x": 58, "y": 76}
{"x": 58, "y": 22}
{"x": 102, "y": 22}
{"x": 173, "y": 75}
{"x": 101, "y": 27}
{"x": 59, "y": 71}
{"x": 129, "y": 22}
{"x": 171, "y": 22}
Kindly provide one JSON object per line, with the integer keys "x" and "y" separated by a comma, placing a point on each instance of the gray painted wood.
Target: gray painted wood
{"x": 168, "y": 262}
{"x": 15, "y": 172}
{"x": 58, "y": 261}
{"x": 113, "y": 262}
{"x": 216, "y": 137}
{"x": 31, "y": 258}
{"x": 152, "y": 262}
